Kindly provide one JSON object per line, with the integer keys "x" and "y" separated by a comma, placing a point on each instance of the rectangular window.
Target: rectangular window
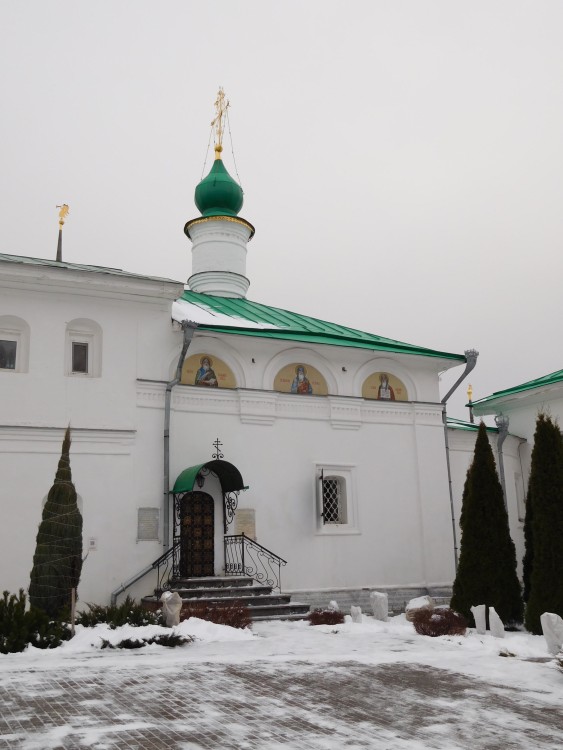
{"x": 8, "y": 354}
{"x": 336, "y": 499}
{"x": 333, "y": 505}
{"x": 79, "y": 357}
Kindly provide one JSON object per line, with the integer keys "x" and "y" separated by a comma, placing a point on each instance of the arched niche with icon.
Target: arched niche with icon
{"x": 301, "y": 379}
{"x": 207, "y": 371}
{"x": 384, "y": 386}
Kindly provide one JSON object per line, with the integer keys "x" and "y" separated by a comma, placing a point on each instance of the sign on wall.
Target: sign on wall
{"x": 384, "y": 386}
{"x": 147, "y": 524}
{"x": 245, "y": 522}
{"x": 301, "y": 379}
{"x": 207, "y": 372}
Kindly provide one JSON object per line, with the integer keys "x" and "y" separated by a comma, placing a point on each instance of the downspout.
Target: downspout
{"x": 189, "y": 329}
{"x": 471, "y": 357}
{"x": 502, "y": 423}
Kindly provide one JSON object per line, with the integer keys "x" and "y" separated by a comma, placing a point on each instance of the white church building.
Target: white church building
{"x": 206, "y": 427}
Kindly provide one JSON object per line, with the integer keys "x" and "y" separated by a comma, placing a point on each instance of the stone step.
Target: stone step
{"x": 223, "y": 591}
{"x": 264, "y": 600}
{"x": 270, "y": 617}
{"x": 211, "y": 582}
{"x": 279, "y": 611}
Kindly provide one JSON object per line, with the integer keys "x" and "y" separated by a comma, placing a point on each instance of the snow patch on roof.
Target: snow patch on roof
{"x": 184, "y": 310}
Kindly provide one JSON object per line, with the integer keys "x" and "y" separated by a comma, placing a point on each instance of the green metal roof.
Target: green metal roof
{"x": 294, "y": 327}
{"x": 460, "y": 424}
{"x": 546, "y": 380}
{"x": 229, "y": 476}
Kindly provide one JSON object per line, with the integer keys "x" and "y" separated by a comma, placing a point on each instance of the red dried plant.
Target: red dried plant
{"x": 441, "y": 621}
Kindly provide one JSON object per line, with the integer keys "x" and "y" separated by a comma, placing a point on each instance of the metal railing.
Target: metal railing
{"x": 245, "y": 557}
{"x": 167, "y": 567}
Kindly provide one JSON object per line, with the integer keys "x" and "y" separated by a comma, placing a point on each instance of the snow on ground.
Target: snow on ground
{"x": 517, "y": 656}
{"x": 285, "y": 684}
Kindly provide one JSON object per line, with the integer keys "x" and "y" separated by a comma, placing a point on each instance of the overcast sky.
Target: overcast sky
{"x": 402, "y": 161}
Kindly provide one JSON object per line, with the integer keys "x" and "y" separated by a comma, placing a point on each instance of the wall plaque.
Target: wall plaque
{"x": 147, "y": 524}
{"x": 245, "y": 522}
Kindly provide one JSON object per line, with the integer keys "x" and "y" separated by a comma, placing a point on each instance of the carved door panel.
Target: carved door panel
{"x": 197, "y": 554}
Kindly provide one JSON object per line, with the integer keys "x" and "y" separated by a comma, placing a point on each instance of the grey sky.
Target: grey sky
{"x": 401, "y": 161}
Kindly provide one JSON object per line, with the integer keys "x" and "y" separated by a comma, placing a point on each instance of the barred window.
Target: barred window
{"x": 334, "y": 500}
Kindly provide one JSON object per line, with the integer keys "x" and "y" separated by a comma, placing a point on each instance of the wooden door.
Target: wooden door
{"x": 197, "y": 553}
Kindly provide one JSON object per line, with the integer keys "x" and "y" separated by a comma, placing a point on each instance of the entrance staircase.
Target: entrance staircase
{"x": 261, "y": 602}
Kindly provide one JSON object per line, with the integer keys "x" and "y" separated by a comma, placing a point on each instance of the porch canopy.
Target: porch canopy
{"x": 229, "y": 477}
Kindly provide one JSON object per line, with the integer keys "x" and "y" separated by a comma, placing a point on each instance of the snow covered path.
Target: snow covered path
{"x": 375, "y": 685}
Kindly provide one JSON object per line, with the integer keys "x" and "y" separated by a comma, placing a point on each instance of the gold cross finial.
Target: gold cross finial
{"x": 63, "y": 213}
{"x": 221, "y": 107}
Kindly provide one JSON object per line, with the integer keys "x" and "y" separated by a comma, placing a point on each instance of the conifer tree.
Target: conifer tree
{"x": 528, "y": 561}
{"x": 486, "y": 572}
{"x": 544, "y": 548}
{"x": 57, "y": 561}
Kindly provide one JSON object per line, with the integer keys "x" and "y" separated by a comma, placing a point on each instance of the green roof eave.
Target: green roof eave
{"x": 185, "y": 481}
{"x": 328, "y": 339}
{"x": 286, "y": 325}
{"x": 228, "y": 474}
{"x": 547, "y": 380}
{"x": 460, "y": 424}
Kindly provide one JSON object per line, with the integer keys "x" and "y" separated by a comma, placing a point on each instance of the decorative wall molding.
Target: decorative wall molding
{"x": 265, "y": 407}
{"x": 33, "y": 439}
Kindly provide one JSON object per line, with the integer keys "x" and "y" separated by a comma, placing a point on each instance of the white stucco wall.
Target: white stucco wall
{"x": 393, "y": 453}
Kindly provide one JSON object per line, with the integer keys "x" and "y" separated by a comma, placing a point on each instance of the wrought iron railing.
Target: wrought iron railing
{"x": 245, "y": 557}
{"x": 167, "y": 567}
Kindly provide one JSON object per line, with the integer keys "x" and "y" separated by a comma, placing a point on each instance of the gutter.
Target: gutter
{"x": 471, "y": 357}
{"x": 502, "y": 423}
{"x": 189, "y": 328}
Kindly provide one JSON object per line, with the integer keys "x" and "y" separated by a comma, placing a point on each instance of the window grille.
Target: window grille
{"x": 332, "y": 500}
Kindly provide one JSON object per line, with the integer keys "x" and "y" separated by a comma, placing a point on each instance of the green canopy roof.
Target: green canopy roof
{"x": 238, "y": 315}
{"x": 229, "y": 477}
{"x": 547, "y": 380}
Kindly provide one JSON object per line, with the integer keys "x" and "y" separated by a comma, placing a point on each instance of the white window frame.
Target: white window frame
{"x": 84, "y": 332}
{"x": 7, "y": 335}
{"x": 16, "y": 329}
{"x": 81, "y": 338}
{"x": 346, "y": 476}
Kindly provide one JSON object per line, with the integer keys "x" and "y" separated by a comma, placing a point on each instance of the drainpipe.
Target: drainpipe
{"x": 502, "y": 423}
{"x": 471, "y": 357}
{"x": 189, "y": 329}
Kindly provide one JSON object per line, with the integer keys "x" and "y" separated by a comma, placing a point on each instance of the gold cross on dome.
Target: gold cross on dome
{"x": 221, "y": 106}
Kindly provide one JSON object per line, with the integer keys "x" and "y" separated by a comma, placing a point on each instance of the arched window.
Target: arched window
{"x": 83, "y": 348}
{"x": 14, "y": 344}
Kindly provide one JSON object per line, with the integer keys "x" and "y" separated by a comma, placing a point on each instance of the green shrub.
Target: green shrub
{"x": 162, "y": 639}
{"x": 325, "y": 617}
{"x": 486, "y": 573}
{"x": 235, "y": 614}
{"x": 57, "y": 561}
{"x": 19, "y": 627}
{"x": 115, "y": 615}
{"x": 544, "y": 522}
{"x": 436, "y": 622}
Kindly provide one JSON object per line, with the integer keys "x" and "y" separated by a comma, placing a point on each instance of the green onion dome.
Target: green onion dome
{"x": 218, "y": 194}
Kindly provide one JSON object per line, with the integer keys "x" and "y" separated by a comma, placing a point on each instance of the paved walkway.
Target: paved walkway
{"x": 267, "y": 705}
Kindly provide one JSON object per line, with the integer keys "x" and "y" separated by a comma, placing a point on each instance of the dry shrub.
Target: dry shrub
{"x": 235, "y": 614}
{"x": 325, "y": 617}
{"x": 442, "y": 621}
